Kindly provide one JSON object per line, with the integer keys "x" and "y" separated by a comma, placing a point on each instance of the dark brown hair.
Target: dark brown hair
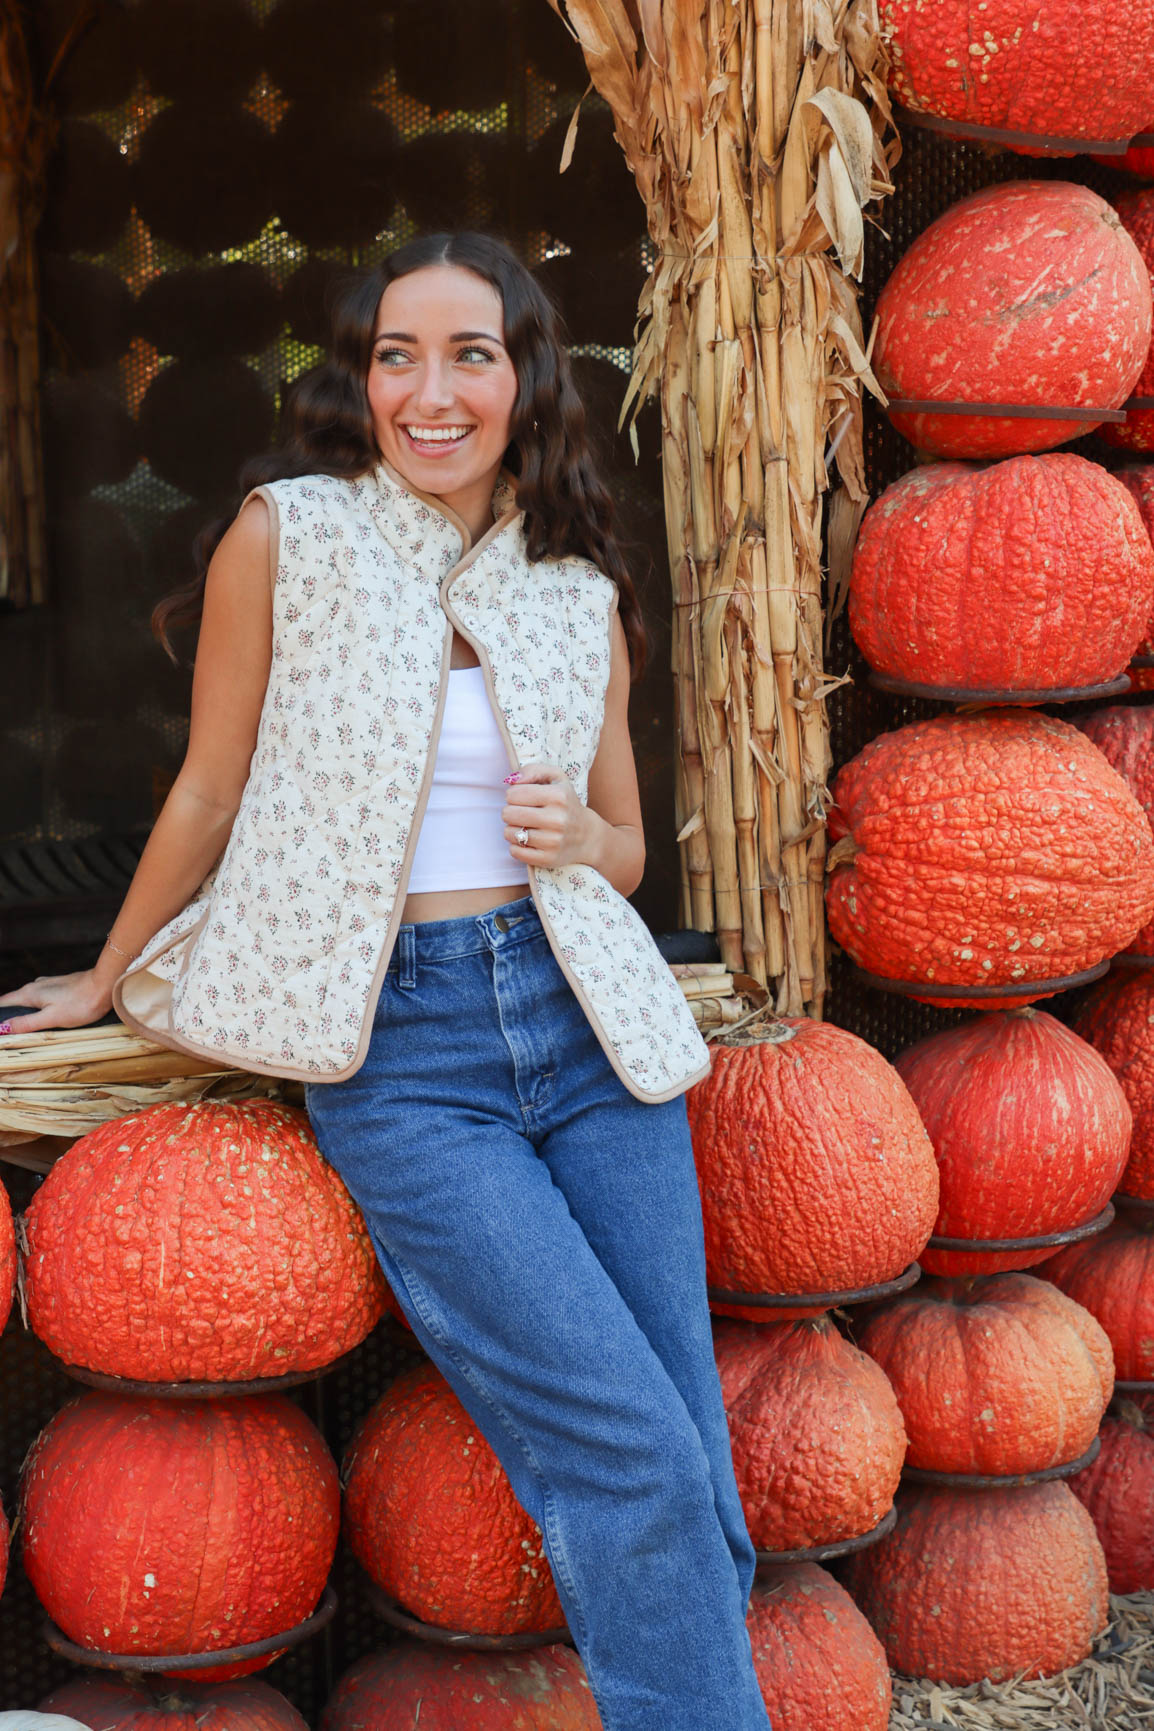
{"x": 328, "y": 429}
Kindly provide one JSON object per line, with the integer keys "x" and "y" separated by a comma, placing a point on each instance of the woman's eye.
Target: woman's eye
{"x": 392, "y": 357}
{"x": 474, "y": 355}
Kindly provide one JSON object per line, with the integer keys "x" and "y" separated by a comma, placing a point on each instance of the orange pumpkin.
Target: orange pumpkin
{"x": 1139, "y": 483}
{"x": 990, "y": 1583}
{"x": 205, "y": 1242}
{"x": 7, "y": 1258}
{"x": 819, "y": 1664}
{"x": 994, "y": 849}
{"x": 1004, "y": 1375}
{"x": 1031, "y": 1132}
{"x": 431, "y": 1516}
{"x": 1118, "y": 1021}
{"x": 107, "y": 1704}
{"x": 1136, "y": 432}
{"x": 1118, "y": 1491}
{"x": 179, "y": 1526}
{"x": 793, "y": 1134}
{"x": 410, "y": 1685}
{"x": 1065, "y": 605}
{"x": 1124, "y": 734}
{"x": 1113, "y": 1278}
{"x": 818, "y": 1440}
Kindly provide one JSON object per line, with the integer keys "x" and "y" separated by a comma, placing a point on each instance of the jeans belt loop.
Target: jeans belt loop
{"x": 408, "y": 959}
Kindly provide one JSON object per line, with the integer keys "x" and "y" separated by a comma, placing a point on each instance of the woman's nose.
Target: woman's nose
{"x": 434, "y": 387}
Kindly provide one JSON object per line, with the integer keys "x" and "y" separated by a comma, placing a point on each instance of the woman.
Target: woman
{"x": 439, "y": 945}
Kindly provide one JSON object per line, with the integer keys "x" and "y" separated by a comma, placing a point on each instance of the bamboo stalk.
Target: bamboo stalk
{"x": 732, "y": 115}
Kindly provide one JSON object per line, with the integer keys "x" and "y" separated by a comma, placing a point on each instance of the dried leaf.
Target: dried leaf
{"x": 571, "y": 133}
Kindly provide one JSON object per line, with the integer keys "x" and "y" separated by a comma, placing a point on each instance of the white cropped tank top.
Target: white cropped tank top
{"x": 462, "y": 843}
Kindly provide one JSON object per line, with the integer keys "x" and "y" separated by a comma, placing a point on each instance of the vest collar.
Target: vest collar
{"x": 419, "y": 525}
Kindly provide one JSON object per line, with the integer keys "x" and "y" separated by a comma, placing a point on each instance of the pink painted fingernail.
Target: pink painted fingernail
{"x": 510, "y": 779}
{"x": 5, "y": 1027}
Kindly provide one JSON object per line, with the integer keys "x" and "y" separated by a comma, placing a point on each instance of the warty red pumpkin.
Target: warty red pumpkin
{"x": 119, "y": 1704}
{"x": 179, "y": 1526}
{"x": 7, "y": 1258}
{"x": 1136, "y": 432}
{"x": 1124, "y": 734}
{"x": 410, "y": 1685}
{"x": 993, "y": 849}
{"x": 1030, "y": 1129}
{"x": 1057, "y": 68}
{"x": 1029, "y": 292}
{"x": 990, "y": 1583}
{"x": 207, "y": 1242}
{"x": 1003, "y": 1375}
{"x": 1118, "y": 1021}
{"x": 818, "y": 1440}
{"x": 430, "y": 1514}
{"x": 1118, "y": 1491}
{"x": 1049, "y": 552}
{"x": 819, "y": 1664}
{"x": 1139, "y": 483}
{"x": 1113, "y": 1278}
{"x": 798, "y": 1136}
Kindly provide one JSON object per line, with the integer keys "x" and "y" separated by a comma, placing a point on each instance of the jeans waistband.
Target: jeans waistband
{"x": 443, "y": 940}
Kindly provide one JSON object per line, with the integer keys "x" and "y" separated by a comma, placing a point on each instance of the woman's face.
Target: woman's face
{"x": 442, "y": 387}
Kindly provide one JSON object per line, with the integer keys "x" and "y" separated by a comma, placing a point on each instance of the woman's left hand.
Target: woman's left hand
{"x": 542, "y": 801}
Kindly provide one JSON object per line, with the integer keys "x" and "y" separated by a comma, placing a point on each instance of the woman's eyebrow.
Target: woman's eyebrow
{"x": 457, "y": 337}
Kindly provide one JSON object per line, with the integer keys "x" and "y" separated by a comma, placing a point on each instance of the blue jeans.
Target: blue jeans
{"x": 542, "y": 1229}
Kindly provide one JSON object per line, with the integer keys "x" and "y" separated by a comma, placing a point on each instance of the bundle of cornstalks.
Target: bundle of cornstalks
{"x": 1113, "y": 1690}
{"x": 756, "y": 131}
{"x": 63, "y": 1083}
{"x": 716, "y": 997}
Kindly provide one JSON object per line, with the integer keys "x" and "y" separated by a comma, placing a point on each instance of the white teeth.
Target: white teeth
{"x": 436, "y": 435}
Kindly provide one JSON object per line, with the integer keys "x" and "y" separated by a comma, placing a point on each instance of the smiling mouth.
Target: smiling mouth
{"x": 436, "y": 438}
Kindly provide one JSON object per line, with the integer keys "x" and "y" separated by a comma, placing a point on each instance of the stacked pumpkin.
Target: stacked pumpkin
{"x": 818, "y": 1186}
{"x": 182, "y": 1250}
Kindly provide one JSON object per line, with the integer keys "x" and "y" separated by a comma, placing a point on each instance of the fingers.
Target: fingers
{"x": 28, "y": 1024}
{"x": 530, "y": 773}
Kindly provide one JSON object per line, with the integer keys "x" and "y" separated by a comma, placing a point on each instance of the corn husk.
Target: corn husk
{"x": 1112, "y": 1690}
{"x": 66, "y": 1082}
{"x": 757, "y": 131}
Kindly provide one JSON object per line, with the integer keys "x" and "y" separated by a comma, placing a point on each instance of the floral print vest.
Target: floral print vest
{"x": 277, "y": 962}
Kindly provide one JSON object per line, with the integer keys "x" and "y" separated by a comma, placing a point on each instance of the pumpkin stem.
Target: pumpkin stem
{"x": 842, "y": 852}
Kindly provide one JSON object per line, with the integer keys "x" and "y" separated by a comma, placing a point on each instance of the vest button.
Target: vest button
{"x": 501, "y": 923}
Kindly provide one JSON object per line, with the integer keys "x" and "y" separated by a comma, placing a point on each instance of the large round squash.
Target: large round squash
{"x": 819, "y": 1664}
{"x": 816, "y": 1173}
{"x": 818, "y": 1441}
{"x": 1005, "y": 1375}
{"x": 1136, "y": 433}
{"x": 205, "y": 1242}
{"x": 108, "y": 1704}
{"x": 1113, "y": 1278}
{"x": 995, "y": 849}
{"x": 410, "y": 1686}
{"x": 1118, "y": 1020}
{"x": 1055, "y": 68}
{"x": 1031, "y": 1132}
{"x": 990, "y": 1583}
{"x": 1139, "y": 483}
{"x": 179, "y": 1526}
{"x": 1050, "y": 553}
{"x": 7, "y": 1258}
{"x": 1124, "y": 734}
{"x": 1118, "y": 1490}
{"x": 1030, "y": 292}
{"x": 431, "y": 1516}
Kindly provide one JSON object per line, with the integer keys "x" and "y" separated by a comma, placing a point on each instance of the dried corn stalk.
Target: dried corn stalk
{"x": 23, "y": 138}
{"x": 756, "y": 131}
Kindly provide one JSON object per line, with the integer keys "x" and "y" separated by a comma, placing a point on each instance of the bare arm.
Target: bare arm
{"x": 606, "y": 833}
{"x": 233, "y": 657}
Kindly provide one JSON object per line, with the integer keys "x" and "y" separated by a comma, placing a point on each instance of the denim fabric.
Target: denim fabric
{"x": 542, "y": 1229}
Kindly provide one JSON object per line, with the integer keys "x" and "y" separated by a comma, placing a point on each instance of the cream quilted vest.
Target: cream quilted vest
{"x": 277, "y": 962}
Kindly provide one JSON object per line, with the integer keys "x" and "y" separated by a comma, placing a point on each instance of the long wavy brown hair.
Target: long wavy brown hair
{"x": 327, "y": 427}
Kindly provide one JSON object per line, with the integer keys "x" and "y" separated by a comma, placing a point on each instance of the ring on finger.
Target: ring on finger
{"x": 522, "y": 837}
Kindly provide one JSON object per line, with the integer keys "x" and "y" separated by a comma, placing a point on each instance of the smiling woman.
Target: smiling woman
{"x": 496, "y": 1075}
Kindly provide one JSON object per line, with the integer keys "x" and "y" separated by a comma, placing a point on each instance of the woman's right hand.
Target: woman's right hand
{"x": 60, "y": 1000}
